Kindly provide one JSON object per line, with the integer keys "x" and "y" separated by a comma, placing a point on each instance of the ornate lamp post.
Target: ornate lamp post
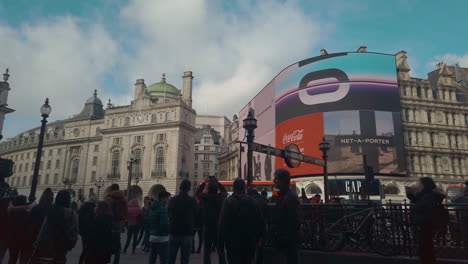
{"x": 45, "y": 112}
{"x": 99, "y": 183}
{"x": 130, "y": 170}
{"x": 324, "y": 147}
{"x": 250, "y": 124}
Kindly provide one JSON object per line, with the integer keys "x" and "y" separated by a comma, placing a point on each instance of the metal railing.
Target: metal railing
{"x": 158, "y": 174}
{"x": 387, "y": 230}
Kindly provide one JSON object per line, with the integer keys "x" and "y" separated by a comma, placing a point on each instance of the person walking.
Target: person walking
{"x": 198, "y": 228}
{"x": 424, "y": 213}
{"x": 59, "y": 232}
{"x": 240, "y": 225}
{"x": 100, "y": 236}
{"x": 159, "y": 229}
{"x": 211, "y": 203}
{"x": 85, "y": 221}
{"x": 4, "y": 229}
{"x": 133, "y": 216}
{"x": 118, "y": 207}
{"x": 462, "y": 216}
{"x": 143, "y": 223}
{"x": 38, "y": 214}
{"x": 18, "y": 242}
{"x": 182, "y": 212}
{"x": 286, "y": 220}
{"x": 262, "y": 205}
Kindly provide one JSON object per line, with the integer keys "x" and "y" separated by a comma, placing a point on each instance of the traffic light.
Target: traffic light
{"x": 369, "y": 173}
{"x": 6, "y": 168}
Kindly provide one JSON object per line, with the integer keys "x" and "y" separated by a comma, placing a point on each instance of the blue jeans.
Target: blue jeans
{"x": 159, "y": 248}
{"x": 185, "y": 245}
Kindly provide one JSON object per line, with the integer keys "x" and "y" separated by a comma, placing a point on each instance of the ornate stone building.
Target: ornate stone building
{"x": 229, "y": 160}
{"x": 157, "y": 127}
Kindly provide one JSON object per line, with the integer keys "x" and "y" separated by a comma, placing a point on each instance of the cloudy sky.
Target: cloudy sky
{"x": 65, "y": 49}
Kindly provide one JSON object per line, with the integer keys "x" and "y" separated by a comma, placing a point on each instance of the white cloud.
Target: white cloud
{"x": 57, "y": 58}
{"x": 450, "y": 59}
{"x": 233, "y": 55}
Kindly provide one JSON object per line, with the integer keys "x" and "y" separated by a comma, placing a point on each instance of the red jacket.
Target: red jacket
{"x": 133, "y": 214}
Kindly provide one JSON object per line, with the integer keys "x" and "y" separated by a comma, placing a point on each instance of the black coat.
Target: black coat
{"x": 287, "y": 220}
{"x": 182, "y": 211}
{"x": 211, "y": 204}
{"x": 86, "y": 218}
{"x": 100, "y": 239}
{"x": 240, "y": 222}
{"x": 18, "y": 226}
{"x": 36, "y": 217}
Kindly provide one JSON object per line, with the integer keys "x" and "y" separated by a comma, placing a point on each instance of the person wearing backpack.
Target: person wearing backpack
{"x": 240, "y": 225}
{"x": 118, "y": 208}
{"x": 58, "y": 234}
{"x": 429, "y": 216}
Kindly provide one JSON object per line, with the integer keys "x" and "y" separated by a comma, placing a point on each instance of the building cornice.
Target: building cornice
{"x": 140, "y": 128}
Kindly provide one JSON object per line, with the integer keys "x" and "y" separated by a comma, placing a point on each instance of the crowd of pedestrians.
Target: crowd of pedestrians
{"x": 233, "y": 228}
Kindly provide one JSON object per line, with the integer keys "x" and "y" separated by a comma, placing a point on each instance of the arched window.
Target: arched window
{"x": 160, "y": 162}
{"x": 391, "y": 189}
{"x": 154, "y": 118}
{"x": 113, "y": 122}
{"x": 138, "y": 155}
{"x": 74, "y": 168}
{"x": 115, "y": 166}
{"x": 127, "y": 121}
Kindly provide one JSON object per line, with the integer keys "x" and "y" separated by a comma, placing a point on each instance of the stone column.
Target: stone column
{"x": 453, "y": 96}
{"x": 410, "y": 115}
{"x": 429, "y": 93}
{"x": 422, "y": 163}
{"x": 414, "y": 91}
{"x": 449, "y": 119}
{"x": 417, "y": 116}
{"x": 463, "y": 166}
{"x": 441, "y": 94}
{"x": 416, "y": 163}
{"x": 456, "y": 167}
{"x": 447, "y": 95}
{"x": 430, "y": 164}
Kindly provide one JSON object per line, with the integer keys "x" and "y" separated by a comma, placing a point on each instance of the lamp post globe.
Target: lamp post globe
{"x": 249, "y": 124}
{"x": 324, "y": 146}
{"x": 45, "y": 109}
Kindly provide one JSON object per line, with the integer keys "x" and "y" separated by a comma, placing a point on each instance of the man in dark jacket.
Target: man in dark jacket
{"x": 118, "y": 207}
{"x": 262, "y": 205}
{"x": 85, "y": 222}
{"x": 286, "y": 221}
{"x": 211, "y": 203}
{"x": 423, "y": 217}
{"x": 159, "y": 229}
{"x": 240, "y": 225}
{"x": 182, "y": 211}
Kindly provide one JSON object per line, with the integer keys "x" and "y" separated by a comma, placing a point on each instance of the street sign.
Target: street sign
{"x": 290, "y": 153}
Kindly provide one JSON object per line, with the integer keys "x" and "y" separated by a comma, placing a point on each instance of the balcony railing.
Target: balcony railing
{"x": 113, "y": 176}
{"x": 158, "y": 174}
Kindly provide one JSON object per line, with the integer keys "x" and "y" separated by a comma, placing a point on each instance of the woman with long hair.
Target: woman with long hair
{"x": 59, "y": 232}
{"x": 39, "y": 212}
{"x": 100, "y": 237}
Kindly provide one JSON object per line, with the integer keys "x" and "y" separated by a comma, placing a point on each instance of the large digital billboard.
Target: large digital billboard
{"x": 351, "y": 99}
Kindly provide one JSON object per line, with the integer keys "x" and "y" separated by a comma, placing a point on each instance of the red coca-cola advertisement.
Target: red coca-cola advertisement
{"x": 306, "y": 132}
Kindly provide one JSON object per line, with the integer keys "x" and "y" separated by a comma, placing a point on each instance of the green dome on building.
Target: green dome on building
{"x": 163, "y": 87}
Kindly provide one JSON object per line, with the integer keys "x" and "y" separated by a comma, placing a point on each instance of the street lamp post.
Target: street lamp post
{"x": 99, "y": 183}
{"x": 250, "y": 124}
{"x": 324, "y": 147}
{"x": 45, "y": 112}
{"x": 130, "y": 168}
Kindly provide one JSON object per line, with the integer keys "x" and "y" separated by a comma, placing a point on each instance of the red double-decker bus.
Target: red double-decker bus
{"x": 268, "y": 186}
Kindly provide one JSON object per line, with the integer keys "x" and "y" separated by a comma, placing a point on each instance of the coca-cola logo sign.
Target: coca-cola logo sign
{"x": 295, "y": 136}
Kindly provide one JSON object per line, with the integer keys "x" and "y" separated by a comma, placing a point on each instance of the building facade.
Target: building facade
{"x": 435, "y": 125}
{"x": 229, "y": 160}
{"x": 157, "y": 129}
